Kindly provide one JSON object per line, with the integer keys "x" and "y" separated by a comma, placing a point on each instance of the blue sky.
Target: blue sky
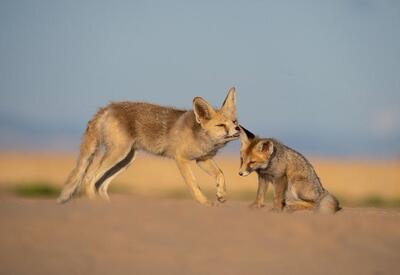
{"x": 323, "y": 76}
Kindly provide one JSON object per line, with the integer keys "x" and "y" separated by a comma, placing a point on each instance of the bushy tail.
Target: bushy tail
{"x": 328, "y": 204}
{"x": 87, "y": 152}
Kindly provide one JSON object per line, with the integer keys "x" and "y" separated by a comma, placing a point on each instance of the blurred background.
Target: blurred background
{"x": 322, "y": 76}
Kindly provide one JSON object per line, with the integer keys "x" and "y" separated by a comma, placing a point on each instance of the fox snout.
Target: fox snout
{"x": 236, "y": 132}
{"x": 237, "y": 129}
{"x": 233, "y": 134}
{"x": 243, "y": 173}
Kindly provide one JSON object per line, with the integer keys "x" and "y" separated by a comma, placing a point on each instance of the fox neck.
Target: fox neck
{"x": 265, "y": 169}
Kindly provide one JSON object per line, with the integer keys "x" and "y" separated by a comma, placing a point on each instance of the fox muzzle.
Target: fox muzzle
{"x": 244, "y": 173}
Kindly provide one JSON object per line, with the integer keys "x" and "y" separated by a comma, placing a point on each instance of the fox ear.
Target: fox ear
{"x": 265, "y": 146}
{"x": 202, "y": 109}
{"x": 229, "y": 105}
{"x": 245, "y": 135}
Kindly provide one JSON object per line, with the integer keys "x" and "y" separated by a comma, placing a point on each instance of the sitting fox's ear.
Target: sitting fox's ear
{"x": 245, "y": 135}
{"x": 265, "y": 146}
{"x": 202, "y": 109}
{"x": 229, "y": 105}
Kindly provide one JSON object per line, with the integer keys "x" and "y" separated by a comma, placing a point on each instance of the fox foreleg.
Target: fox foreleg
{"x": 263, "y": 183}
{"x": 187, "y": 174}
{"x": 210, "y": 167}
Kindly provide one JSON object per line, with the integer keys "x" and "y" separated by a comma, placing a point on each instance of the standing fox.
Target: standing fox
{"x": 296, "y": 185}
{"x": 118, "y": 130}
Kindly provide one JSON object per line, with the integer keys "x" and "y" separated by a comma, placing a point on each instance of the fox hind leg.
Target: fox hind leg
{"x": 114, "y": 154}
{"x": 116, "y": 145}
{"x": 297, "y": 205}
{"x": 303, "y": 196}
{"x": 103, "y": 183}
{"x": 90, "y": 173}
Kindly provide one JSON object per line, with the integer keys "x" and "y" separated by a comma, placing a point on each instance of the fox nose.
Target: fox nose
{"x": 244, "y": 174}
{"x": 237, "y": 128}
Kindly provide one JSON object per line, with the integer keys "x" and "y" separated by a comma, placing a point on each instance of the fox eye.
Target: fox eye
{"x": 252, "y": 162}
{"x": 235, "y": 121}
{"x": 220, "y": 125}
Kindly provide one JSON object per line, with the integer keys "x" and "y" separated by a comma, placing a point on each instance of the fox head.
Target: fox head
{"x": 221, "y": 125}
{"x": 255, "y": 153}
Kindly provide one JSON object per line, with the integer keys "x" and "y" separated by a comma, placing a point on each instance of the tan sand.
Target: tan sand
{"x": 136, "y": 235}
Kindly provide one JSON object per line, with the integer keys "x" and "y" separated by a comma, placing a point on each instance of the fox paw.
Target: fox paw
{"x": 221, "y": 199}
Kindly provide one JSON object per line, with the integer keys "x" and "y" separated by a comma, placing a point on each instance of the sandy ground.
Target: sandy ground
{"x": 136, "y": 235}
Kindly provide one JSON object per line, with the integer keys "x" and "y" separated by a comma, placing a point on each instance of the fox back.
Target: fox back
{"x": 149, "y": 125}
{"x": 169, "y": 132}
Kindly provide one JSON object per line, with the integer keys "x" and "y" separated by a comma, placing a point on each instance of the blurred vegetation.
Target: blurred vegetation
{"x": 118, "y": 188}
{"x": 371, "y": 201}
{"x": 36, "y": 189}
{"x": 43, "y": 189}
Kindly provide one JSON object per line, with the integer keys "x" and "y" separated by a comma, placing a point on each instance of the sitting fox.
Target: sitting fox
{"x": 296, "y": 185}
{"x": 120, "y": 129}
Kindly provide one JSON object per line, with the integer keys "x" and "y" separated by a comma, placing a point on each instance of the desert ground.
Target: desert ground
{"x": 151, "y": 225}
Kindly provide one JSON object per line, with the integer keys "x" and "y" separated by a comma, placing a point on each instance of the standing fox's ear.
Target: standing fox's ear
{"x": 229, "y": 105}
{"x": 202, "y": 109}
{"x": 265, "y": 146}
{"x": 245, "y": 135}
